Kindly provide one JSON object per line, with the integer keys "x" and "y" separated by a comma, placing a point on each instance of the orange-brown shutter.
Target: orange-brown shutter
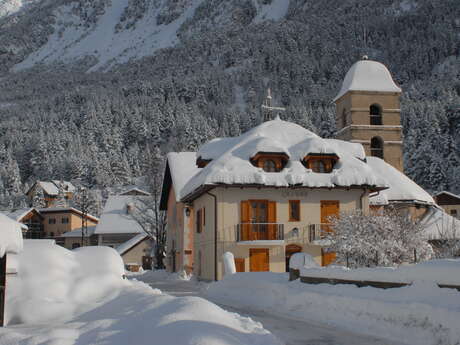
{"x": 239, "y": 264}
{"x": 245, "y": 219}
{"x": 272, "y": 220}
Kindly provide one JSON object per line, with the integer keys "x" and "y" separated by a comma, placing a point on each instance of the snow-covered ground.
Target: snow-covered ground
{"x": 291, "y": 329}
{"x": 62, "y": 297}
{"x": 418, "y": 314}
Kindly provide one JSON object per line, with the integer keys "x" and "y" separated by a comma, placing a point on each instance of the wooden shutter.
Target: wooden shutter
{"x": 259, "y": 260}
{"x": 272, "y": 219}
{"x": 245, "y": 220}
{"x": 239, "y": 264}
{"x": 329, "y": 208}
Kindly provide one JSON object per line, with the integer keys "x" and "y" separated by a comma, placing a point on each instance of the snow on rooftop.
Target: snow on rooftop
{"x": 368, "y": 75}
{"x": 231, "y": 160}
{"x": 49, "y": 187}
{"x": 440, "y": 225}
{"x": 115, "y": 218}
{"x": 135, "y": 190}
{"x": 125, "y": 246}
{"x": 182, "y": 167}
{"x": 77, "y": 232}
{"x": 402, "y": 188}
{"x": 20, "y": 213}
{"x": 10, "y": 235}
{"x": 448, "y": 193}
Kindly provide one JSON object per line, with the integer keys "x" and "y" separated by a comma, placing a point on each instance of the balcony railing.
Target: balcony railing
{"x": 259, "y": 232}
{"x": 318, "y": 231}
{"x": 35, "y": 235}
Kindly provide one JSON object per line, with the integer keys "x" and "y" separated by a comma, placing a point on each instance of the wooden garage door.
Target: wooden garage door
{"x": 259, "y": 261}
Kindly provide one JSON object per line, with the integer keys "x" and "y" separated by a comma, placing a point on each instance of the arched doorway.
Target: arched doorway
{"x": 290, "y": 250}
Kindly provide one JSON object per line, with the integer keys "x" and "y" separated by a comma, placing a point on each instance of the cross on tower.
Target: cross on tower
{"x": 268, "y": 109}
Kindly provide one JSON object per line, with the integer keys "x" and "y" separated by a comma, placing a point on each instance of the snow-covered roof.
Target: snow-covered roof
{"x": 231, "y": 160}
{"x": 182, "y": 166}
{"x": 368, "y": 75}
{"x": 402, "y": 188}
{"x": 124, "y": 247}
{"x": 51, "y": 187}
{"x": 134, "y": 191}
{"x": 440, "y": 225}
{"x": 10, "y": 235}
{"x": 77, "y": 232}
{"x": 66, "y": 209}
{"x": 448, "y": 193}
{"x": 68, "y": 186}
{"x": 21, "y": 213}
{"x": 115, "y": 218}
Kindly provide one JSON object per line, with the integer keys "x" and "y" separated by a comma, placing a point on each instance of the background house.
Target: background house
{"x": 137, "y": 252}
{"x": 50, "y": 191}
{"x": 449, "y": 202}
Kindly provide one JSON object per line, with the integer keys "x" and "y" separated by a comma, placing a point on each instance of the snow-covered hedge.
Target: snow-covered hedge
{"x": 10, "y": 235}
{"x": 420, "y": 314}
{"x": 54, "y": 283}
{"x": 446, "y": 271}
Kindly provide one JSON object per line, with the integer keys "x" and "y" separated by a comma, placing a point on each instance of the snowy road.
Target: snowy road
{"x": 290, "y": 331}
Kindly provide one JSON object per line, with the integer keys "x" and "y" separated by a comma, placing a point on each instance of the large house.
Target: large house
{"x": 271, "y": 191}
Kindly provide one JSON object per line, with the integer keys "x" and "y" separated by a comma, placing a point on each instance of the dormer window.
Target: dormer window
{"x": 270, "y": 161}
{"x": 269, "y": 166}
{"x": 201, "y": 163}
{"x": 320, "y": 163}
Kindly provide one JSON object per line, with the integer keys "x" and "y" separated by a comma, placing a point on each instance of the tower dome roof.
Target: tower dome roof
{"x": 368, "y": 75}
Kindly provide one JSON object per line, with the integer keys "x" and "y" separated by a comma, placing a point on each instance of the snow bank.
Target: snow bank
{"x": 141, "y": 315}
{"x": 421, "y": 314}
{"x": 54, "y": 283}
{"x": 446, "y": 271}
{"x": 10, "y": 235}
{"x": 163, "y": 275}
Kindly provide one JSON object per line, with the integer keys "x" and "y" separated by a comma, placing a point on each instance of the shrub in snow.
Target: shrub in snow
{"x": 377, "y": 240}
{"x": 301, "y": 260}
{"x": 54, "y": 283}
{"x": 229, "y": 263}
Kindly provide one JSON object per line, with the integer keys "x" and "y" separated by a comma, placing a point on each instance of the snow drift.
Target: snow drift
{"x": 10, "y": 235}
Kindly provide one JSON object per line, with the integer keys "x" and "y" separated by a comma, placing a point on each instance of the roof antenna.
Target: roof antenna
{"x": 268, "y": 109}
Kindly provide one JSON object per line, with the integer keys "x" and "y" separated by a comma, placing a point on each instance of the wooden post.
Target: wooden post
{"x": 415, "y": 255}
{"x": 2, "y": 289}
{"x": 348, "y": 264}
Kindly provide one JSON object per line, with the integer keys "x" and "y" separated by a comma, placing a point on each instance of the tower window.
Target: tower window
{"x": 376, "y": 114}
{"x": 377, "y": 147}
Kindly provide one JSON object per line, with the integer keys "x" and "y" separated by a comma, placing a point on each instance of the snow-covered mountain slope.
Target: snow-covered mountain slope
{"x": 114, "y": 32}
{"x": 8, "y": 7}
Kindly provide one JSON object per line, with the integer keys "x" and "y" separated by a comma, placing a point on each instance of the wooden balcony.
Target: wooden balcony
{"x": 259, "y": 232}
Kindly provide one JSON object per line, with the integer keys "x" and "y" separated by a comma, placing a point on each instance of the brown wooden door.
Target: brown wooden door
{"x": 239, "y": 264}
{"x": 329, "y": 208}
{"x": 259, "y": 260}
{"x": 327, "y": 257}
{"x": 271, "y": 219}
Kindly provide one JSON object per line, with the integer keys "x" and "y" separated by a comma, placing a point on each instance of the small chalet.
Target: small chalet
{"x": 51, "y": 223}
{"x": 50, "y": 191}
{"x": 450, "y": 202}
{"x": 118, "y": 229}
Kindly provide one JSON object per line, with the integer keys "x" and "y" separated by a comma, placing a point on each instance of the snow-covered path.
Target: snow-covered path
{"x": 290, "y": 331}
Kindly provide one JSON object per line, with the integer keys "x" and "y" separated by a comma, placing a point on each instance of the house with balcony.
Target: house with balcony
{"x": 50, "y": 192}
{"x": 263, "y": 196}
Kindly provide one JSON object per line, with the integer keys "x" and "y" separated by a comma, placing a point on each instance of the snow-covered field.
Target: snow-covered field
{"x": 418, "y": 314}
{"x": 62, "y": 297}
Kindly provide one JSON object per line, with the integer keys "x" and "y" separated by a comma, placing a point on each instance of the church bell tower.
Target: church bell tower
{"x": 368, "y": 111}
